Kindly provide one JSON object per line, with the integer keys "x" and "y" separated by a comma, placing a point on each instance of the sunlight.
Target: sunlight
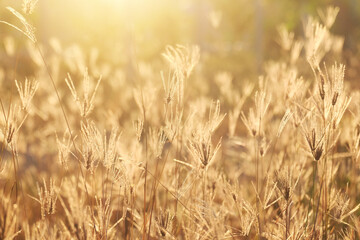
{"x": 179, "y": 119}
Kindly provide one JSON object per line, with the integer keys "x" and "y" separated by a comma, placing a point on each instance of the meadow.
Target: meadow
{"x": 94, "y": 150}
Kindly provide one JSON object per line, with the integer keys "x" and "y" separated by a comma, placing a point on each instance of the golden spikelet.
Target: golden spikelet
{"x": 47, "y": 198}
{"x": 86, "y": 102}
{"x": 26, "y": 92}
{"x": 28, "y": 31}
{"x": 28, "y": 6}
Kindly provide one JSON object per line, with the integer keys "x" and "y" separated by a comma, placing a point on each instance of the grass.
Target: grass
{"x": 161, "y": 159}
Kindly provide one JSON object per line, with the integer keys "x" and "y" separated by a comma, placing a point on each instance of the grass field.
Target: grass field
{"x": 167, "y": 148}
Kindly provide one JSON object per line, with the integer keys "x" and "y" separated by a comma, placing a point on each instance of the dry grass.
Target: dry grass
{"x": 160, "y": 159}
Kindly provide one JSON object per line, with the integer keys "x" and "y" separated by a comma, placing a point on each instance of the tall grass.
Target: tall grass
{"x": 161, "y": 159}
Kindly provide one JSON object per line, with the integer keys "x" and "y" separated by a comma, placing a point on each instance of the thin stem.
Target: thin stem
{"x": 287, "y": 220}
{"x": 257, "y": 184}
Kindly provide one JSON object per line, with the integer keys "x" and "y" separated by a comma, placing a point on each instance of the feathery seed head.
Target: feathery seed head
{"x": 29, "y": 6}
{"x": 139, "y": 128}
{"x": 182, "y": 59}
{"x": 28, "y": 31}
{"x": 11, "y": 126}
{"x": 255, "y": 118}
{"x": 86, "y": 103}
{"x": 164, "y": 222}
{"x": 286, "y": 38}
{"x": 47, "y": 198}
{"x": 64, "y": 147}
{"x": 328, "y": 16}
{"x": 26, "y": 92}
{"x": 322, "y": 87}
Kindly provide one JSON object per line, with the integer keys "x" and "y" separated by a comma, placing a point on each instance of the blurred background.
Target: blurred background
{"x": 234, "y": 35}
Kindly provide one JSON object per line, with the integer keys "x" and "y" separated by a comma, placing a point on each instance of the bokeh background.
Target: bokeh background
{"x": 234, "y": 35}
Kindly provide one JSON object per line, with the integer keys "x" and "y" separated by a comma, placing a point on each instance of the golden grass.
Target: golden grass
{"x": 159, "y": 159}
